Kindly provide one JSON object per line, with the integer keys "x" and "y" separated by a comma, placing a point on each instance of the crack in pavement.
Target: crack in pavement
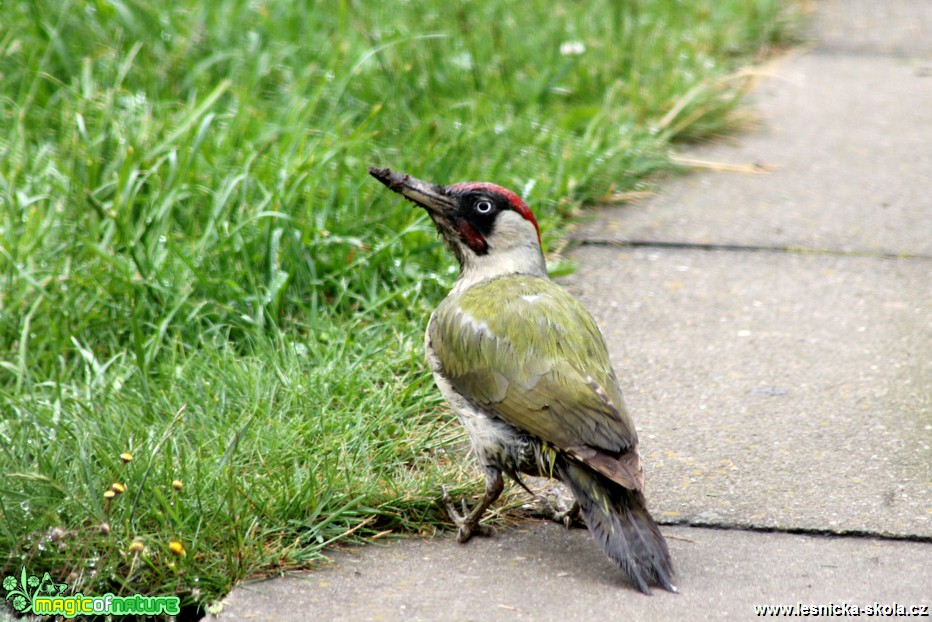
{"x": 747, "y": 248}
{"x": 800, "y": 531}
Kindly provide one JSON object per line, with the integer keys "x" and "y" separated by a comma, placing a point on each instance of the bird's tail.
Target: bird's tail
{"x": 620, "y": 523}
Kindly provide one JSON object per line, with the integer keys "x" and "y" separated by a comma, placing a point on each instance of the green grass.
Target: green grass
{"x": 196, "y": 269}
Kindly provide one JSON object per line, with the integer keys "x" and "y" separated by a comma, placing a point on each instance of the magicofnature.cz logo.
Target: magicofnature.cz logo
{"x": 45, "y": 597}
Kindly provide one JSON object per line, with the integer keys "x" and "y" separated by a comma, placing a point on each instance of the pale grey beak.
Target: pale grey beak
{"x": 431, "y": 197}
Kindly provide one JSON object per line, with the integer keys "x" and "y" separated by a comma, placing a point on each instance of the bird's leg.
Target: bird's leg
{"x": 568, "y": 518}
{"x": 468, "y": 523}
{"x": 552, "y": 503}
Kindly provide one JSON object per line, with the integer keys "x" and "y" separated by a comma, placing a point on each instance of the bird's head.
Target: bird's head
{"x": 490, "y": 229}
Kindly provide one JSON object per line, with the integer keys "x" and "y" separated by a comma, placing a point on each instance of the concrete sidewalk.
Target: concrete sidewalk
{"x": 773, "y": 335}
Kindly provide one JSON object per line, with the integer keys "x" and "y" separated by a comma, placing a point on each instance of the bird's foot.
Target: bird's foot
{"x": 467, "y": 522}
{"x": 547, "y": 510}
{"x": 571, "y": 518}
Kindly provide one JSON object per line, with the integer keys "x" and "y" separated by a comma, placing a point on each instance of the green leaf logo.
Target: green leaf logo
{"x": 22, "y": 591}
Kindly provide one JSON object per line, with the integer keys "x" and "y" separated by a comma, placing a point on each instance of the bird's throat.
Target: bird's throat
{"x": 471, "y": 237}
{"x": 476, "y": 268}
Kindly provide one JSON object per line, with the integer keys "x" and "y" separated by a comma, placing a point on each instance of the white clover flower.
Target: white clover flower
{"x": 572, "y": 48}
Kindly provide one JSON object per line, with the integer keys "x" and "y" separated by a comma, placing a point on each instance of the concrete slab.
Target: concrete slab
{"x": 849, "y": 139}
{"x": 542, "y": 571}
{"x": 889, "y": 27}
{"x": 773, "y": 389}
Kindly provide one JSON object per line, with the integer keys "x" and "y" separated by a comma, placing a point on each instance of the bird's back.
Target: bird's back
{"x": 527, "y": 351}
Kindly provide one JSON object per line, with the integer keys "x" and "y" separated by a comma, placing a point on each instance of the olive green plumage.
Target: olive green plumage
{"x": 526, "y": 347}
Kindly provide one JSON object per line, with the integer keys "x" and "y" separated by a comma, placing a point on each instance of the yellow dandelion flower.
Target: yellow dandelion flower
{"x": 177, "y": 548}
{"x": 177, "y": 484}
{"x": 109, "y": 494}
{"x": 137, "y": 547}
{"x": 118, "y": 488}
{"x": 126, "y": 456}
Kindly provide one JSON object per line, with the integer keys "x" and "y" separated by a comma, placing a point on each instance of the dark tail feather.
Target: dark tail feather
{"x": 620, "y": 523}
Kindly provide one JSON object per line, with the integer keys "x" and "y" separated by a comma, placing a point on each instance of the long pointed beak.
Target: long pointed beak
{"x": 431, "y": 197}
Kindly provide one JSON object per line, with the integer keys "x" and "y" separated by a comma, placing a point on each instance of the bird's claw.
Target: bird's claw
{"x": 572, "y": 517}
{"x": 448, "y": 502}
{"x": 467, "y": 524}
{"x": 547, "y": 510}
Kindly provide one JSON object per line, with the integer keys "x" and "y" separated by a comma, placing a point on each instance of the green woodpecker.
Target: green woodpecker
{"x": 526, "y": 370}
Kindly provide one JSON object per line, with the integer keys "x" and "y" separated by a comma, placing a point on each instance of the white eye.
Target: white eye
{"x": 484, "y": 206}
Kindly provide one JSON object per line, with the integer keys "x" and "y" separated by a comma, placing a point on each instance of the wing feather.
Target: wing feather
{"x": 526, "y": 351}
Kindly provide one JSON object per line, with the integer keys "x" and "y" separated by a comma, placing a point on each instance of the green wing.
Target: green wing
{"x": 525, "y": 350}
